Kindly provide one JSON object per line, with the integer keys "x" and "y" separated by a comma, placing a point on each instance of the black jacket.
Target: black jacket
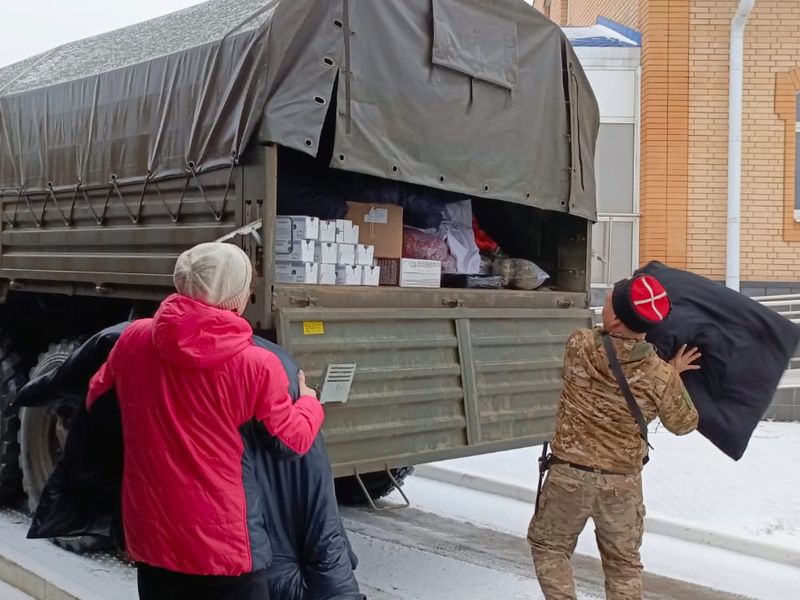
{"x": 311, "y": 555}
{"x": 746, "y": 348}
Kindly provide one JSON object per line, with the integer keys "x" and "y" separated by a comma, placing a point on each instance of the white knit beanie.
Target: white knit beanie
{"x": 215, "y": 274}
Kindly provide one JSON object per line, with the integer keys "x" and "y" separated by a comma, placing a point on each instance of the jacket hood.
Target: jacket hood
{"x": 191, "y": 334}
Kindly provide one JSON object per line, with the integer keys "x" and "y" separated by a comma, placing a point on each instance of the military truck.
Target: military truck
{"x": 119, "y": 151}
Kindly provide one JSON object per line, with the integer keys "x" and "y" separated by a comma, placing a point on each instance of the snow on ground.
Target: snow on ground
{"x": 404, "y": 573}
{"x": 688, "y": 481}
{"x": 752, "y": 506}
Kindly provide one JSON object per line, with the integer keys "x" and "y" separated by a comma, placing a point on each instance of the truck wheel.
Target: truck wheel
{"x": 43, "y": 434}
{"x": 13, "y": 375}
{"x": 378, "y": 485}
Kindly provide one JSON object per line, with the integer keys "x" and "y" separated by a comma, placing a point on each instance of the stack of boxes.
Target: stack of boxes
{"x": 366, "y": 248}
{"x": 382, "y": 226}
{"x": 311, "y": 251}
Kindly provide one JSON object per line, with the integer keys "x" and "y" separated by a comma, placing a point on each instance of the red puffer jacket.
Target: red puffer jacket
{"x": 187, "y": 381}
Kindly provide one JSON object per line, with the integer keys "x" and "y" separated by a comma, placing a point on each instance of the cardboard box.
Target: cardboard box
{"x": 346, "y": 254}
{"x": 365, "y": 255}
{"x": 390, "y": 271}
{"x": 327, "y": 231}
{"x": 346, "y": 232}
{"x": 292, "y": 228}
{"x": 326, "y": 253}
{"x": 380, "y": 225}
{"x": 301, "y": 251}
{"x": 348, "y": 275}
{"x": 415, "y": 272}
{"x": 326, "y": 274}
{"x": 370, "y": 275}
{"x": 296, "y": 273}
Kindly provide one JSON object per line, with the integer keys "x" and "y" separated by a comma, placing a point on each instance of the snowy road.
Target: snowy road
{"x": 404, "y": 554}
{"x": 414, "y": 555}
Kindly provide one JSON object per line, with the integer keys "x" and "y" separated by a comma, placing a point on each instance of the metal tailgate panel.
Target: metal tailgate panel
{"x": 432, "y": 384}
{"x": 518, "y": 372}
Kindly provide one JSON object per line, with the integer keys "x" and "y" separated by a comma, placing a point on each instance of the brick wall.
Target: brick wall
{"x": 585, "y": 12}
{"x": 558, "y": 11}
{"x": 772, "y": 51}
{"x": 684, "y": 130}
{"x": 664, "y": 131}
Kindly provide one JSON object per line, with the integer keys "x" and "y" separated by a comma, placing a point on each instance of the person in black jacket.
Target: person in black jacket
{"x": 312, "y": 557}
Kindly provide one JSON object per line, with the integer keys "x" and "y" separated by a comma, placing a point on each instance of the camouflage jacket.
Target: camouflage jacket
{"x": 595, "y": 427}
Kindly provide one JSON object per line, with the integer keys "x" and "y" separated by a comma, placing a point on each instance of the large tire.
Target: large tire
{"x": 378, "y": 484}
{"x": 13, "y": 375}
{"x": 43, "y": 433}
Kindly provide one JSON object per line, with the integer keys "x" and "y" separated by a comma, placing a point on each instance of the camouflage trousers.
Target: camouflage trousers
{"x": 569, "y": 498}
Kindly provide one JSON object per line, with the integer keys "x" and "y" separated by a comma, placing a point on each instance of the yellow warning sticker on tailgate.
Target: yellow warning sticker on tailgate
{"x": 313, "y": 328}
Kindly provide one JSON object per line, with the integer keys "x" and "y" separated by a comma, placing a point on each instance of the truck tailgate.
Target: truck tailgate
{"x": 432, "y": 384}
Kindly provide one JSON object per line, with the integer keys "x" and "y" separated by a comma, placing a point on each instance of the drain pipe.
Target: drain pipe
{"x": 733, "y": 266}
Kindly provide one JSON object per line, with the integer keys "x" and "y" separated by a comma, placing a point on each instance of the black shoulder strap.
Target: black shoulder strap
{"x": 613, "y": 362}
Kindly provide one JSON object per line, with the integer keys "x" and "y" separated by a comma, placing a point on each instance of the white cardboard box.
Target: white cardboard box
{"x": 370, "y": 275}
{"x": 326, "y": 274}
{"x": 365, "y": 255}
{"x": 301, "y": 251}
{"x": 415, "y": 272}
{"x": 348, "y": 275}
{"x": 346, "y": 232}
{"x": 326, "y": 253}
{"x": 343, "y": 226}
{"x": 346, "y": 254}
{"x": 291, "y": 228}
{"x": 327, "y": 231}
{"x": 296, "y": 273}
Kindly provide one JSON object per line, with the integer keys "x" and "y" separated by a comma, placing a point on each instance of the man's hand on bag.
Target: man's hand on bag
{"x": 685, "y": 359}
{"x": 304, "y": 389}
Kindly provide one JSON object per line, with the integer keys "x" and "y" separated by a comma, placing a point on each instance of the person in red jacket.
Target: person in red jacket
{"x": 188, "y": 382}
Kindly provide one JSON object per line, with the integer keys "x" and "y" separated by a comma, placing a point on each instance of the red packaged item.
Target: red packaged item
{"x": 482, "y": 239}
{"x": 427, "y": 246}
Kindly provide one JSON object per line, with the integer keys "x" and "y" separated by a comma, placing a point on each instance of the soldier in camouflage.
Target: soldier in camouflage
{"x": 597, "y": 450}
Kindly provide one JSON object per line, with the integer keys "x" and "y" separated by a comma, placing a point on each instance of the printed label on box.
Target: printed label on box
{"x": 301, "y": 251}
{"x": 283, "y": 229}
{"x": 296, "y": 273}
{"x": 420, "y": 273}
{"x": 377, "y": 215}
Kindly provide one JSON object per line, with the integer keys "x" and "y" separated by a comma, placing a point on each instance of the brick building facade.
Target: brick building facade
{"x": 684, "y": 132}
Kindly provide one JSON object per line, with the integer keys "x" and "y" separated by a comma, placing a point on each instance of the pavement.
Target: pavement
{"x": 11, "y": 593}
{"x": 404, "y": 554}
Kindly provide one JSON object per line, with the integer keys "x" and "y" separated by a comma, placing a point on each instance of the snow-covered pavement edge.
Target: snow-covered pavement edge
{"x": 688, "y": 532}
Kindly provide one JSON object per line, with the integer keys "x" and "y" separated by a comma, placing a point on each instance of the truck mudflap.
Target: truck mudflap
{"x": 430, "y": 384}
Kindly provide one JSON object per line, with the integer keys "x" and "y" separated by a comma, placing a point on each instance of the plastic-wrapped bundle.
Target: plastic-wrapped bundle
{"x": 519, "y": 274}
{"x": 427, "y": 246}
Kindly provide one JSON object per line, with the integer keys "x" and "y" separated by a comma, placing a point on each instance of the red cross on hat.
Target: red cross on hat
{"x": 649, "y": 298}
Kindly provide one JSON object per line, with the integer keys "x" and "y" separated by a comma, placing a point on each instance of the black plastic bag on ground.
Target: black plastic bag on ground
{"x": 312, "y": 557}
{"x": 746, "y": 348}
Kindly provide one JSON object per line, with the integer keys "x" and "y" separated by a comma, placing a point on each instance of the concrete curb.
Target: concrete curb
{"x": 43, "y": 571}
{"x": 36, "y": 580}
{"x": 656, "y": 525}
